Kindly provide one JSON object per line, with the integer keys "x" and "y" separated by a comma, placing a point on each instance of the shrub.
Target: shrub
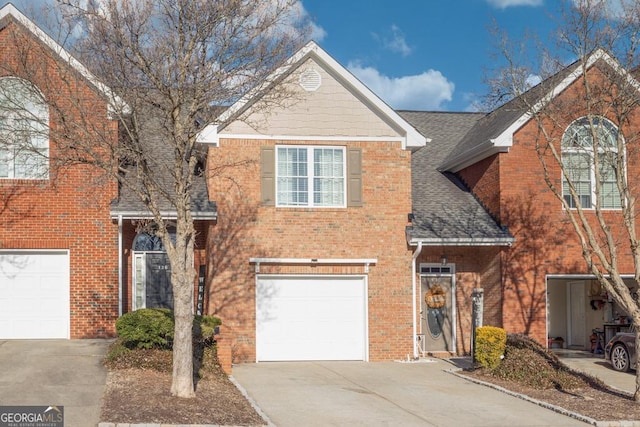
{"x": 528, "y": 363}
{"x": 489, "y": 346}
{"x": 204, "y": 327}
{"x": 146, "y": 328}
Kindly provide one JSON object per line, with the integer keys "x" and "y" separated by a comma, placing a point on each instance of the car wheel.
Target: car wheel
{"x": 620, "y": 358}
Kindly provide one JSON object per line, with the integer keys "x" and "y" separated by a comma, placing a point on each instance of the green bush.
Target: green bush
{"x": 146, "y": 328}
{"x": 153, "y": 328}
{"x": 490, "y": 346}
{"x": 204, "y": 327}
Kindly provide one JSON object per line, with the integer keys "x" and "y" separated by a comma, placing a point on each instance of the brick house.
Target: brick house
{"x": 310, "y": 258}
{"x": 524, "y": 253}
{"x": 331, "y": 227}
{"x": 54, "y": 226}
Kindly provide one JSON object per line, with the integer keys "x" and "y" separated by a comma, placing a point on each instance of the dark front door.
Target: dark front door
{"x": 159, "y": 293}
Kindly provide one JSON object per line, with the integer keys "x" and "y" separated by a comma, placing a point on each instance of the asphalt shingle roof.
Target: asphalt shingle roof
{"x": 159, "y": 154}
{"x": 445, "y": 211}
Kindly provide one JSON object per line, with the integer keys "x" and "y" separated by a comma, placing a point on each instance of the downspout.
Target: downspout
{"x": 119, "y": 265}
{"x": 414, "y": 283}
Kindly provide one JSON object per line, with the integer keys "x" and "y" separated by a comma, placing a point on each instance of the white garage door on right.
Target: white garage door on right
{"x": 311, "y": 318}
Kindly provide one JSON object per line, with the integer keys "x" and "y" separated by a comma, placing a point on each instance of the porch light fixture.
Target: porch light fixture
{"x": 443, "y": 260}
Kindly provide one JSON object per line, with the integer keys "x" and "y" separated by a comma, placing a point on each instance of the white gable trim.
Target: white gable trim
{"x": 116, "y": 104}
{"x": 504, "y": 141}
{"x": 332, "y": 138}
{"x": 411, "y": 138}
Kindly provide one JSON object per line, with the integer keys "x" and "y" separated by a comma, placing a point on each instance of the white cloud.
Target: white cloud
{"x": 503, "y": 4}
{"x": 532, "y": 80}
{"x": 317, "y": 33}
{"x": 426, "y": 91}
{"x": 395, "y": 41}
{"x": 613, "y": 9}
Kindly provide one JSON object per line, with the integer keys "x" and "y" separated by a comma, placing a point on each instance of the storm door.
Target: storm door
{"x": 437, "y": 312}
{"x": 151, "y": 274}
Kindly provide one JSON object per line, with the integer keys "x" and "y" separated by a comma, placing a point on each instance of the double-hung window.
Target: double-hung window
{"x": 24, "y": 136}
{"x": 579, "y": 154}
{"x": 310, "y": 176}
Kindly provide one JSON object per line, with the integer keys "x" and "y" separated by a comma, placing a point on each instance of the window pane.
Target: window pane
{"x": 24, "y": 120}
{"x": 609, "y": 195}
{"x": 577, "y": 166}
{"x": 328, "y": 183}
{"x": 292, "y": 187}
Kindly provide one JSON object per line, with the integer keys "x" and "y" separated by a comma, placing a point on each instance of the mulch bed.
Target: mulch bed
{"x": 591, "y": 399}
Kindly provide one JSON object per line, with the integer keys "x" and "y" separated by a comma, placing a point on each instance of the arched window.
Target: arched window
{"x": 24, "y": 130}
{"x": 578, "y": 157}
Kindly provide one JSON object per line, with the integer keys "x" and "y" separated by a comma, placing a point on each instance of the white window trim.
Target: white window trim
{"x": 310, "y": 176}
{"x": 592, "y": 173}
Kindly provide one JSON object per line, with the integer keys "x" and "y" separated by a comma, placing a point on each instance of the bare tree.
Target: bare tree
{"x": 170, "y": 64}
{"x": 587, "y": 137}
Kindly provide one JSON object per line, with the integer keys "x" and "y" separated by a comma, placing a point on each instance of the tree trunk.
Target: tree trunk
{"x": 182, "y": 281}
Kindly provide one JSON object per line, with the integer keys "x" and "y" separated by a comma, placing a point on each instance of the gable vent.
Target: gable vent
{"x": 310, "y": 80}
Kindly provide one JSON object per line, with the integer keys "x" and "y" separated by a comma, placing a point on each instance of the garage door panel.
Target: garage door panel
{"x": 311, "y": 318}
{"x": 34, "y": 295}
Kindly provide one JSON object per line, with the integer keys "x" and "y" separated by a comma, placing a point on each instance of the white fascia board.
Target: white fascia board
{"x": 481, "y": 241}
{"x": 199, "y": 216}
{"x": 116, "y": 104}
{"x": 506, "y": 137}
{"x": 209, "y": 135}
{"x": 411, "y": 139}
{"x": 470, "y": 157}
{"x": 504, "y": 141}
{"x": 313, "y": 260}
{"x": 332, "y": 138}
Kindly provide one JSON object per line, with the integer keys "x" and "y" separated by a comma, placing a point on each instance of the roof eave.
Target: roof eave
{"x": 462, "y": 241}
{"x": 477, "y": 153}
{"x": 198, "y": 216}
{"x": 116, "y": 105}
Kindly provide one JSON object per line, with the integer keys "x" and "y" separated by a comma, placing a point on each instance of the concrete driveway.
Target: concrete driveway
{"x": 597, "y": 366}
{"x": 55, "y": 372}
{"x": 383, "y": 394}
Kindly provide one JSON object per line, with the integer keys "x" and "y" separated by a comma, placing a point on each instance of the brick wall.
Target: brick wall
{"x": 245, "y": 229}
{"x": 71, "y": 209}
{"x": 475, "y": 267}
{"x": 545, "y": 240}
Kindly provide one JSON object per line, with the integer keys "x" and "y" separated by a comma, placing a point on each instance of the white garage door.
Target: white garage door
{"x": 311, "y": 318}
{"x": 34, "y": 294}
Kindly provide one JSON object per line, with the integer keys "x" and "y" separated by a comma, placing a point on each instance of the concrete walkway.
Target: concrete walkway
{"x": 597, "y": 366}
{"x": 55, "y": 372}
{"x": 383, "y": 394}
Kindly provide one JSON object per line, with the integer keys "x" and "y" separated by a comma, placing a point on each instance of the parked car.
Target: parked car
{"x": 621, "y": 351}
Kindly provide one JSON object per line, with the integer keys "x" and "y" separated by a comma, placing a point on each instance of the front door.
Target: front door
{"x": 152, "y": 281}
{"x": 437, "y": 312}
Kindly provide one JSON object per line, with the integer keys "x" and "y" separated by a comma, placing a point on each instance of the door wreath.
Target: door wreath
{"x": 435, "y": 297}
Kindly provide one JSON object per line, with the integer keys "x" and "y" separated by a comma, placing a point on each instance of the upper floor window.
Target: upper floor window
{"x": 578, "y": 158}
{"x": 310, "y": 176}
{"x": 24, "y": 135}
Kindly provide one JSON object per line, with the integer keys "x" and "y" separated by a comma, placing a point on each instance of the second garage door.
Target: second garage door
{"x": 34, "y": 294}
{"x": 311, "y": 318}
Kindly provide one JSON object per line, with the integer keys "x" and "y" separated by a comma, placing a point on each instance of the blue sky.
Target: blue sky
{"x": 424, "y": 54}
{"x": 417, "y": 54}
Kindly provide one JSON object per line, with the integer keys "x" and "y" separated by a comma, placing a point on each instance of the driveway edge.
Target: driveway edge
{"x": 558, "y": 409}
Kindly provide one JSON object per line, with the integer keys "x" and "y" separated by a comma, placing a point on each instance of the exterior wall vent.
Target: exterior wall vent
{"x": 310, "y": 80}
